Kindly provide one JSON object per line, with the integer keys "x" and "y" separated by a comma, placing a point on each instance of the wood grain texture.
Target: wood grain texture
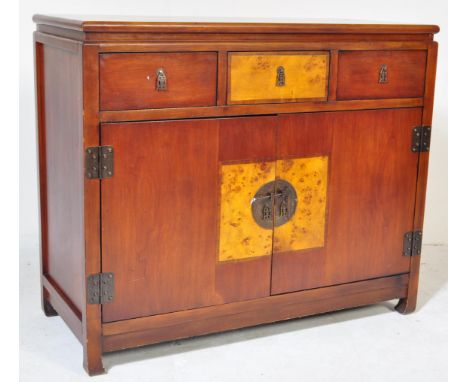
{"x": 333, "y": 76}
{"x": 159, "y": 214}
{"x": 42, "y": 166}
{"x": 57, "y": 42}
{"x": 190, "y": 25}
{"x": 261, "y": 45}
{"x": 128, "y": 81}
{"x": 238, "y": 143}
{"x": 133, "y": 37}
{"x": 235, "y": 37}
{"x": 222, "y": 77}
{"x": 248, "y": 132}
{"x": 240, "y": 237}
{"x": 243, "y": 280}
{"x": 358, "y": 74}
{"x": 370, "y": 199}
{"x": 147, "y": 330}
{"x": 259, "y": 109}
{"x": 91, "y": 261}
{"x": 306, "y": 228}
{"x": 408, "y": 304}
{"x": 64, "y": 307}
{"x": 61, "y": 170}
{"x": 159, "y": 220}
{"x": 252, "y": 77}
{"x": 174, "y": 252}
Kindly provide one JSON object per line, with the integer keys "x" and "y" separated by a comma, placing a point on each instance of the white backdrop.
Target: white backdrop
{"x": 402, "y": 11}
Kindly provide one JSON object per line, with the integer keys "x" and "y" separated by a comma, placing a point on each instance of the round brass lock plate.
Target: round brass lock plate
{"x": 274, "y": 204}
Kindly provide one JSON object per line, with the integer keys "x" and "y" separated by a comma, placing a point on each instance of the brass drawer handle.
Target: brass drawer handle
{"x": 280, "y": 76}
{"x": 383, "y": 74}
{"x": 161, "y": 80}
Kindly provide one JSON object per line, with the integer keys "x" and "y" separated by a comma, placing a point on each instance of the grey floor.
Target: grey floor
{"x": 366, "y": 344}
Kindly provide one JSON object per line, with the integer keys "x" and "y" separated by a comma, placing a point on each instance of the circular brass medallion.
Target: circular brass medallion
{"x": 274, "y": 204}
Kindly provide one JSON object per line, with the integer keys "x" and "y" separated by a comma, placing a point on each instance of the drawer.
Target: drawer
{"x": 129, "y": 80}
{"x": 381, "y": 74}
{"x": 273, "y": 77}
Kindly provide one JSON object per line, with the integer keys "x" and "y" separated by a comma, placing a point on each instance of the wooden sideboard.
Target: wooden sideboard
{"x": 198, "y": 177}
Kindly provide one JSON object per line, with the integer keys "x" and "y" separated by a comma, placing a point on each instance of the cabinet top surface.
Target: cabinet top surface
{"x": 225, "y": 25}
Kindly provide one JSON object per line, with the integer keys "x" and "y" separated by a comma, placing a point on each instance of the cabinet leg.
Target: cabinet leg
{"x": 406, "y": 305}
{"x": 92, "y": 341}
{"x": 92, "y": 363}
{"x": 47, "y": 307}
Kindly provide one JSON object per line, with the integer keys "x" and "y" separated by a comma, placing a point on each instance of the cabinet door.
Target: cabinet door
{"x": 355, "y": 176}
{"x": 167, "y": 234}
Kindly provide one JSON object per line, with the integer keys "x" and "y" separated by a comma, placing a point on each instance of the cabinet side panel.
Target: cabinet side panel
{"x": 62, "y": 124}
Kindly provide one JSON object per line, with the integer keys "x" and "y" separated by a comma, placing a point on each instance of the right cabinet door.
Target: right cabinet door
{"x": 355, "y": 178}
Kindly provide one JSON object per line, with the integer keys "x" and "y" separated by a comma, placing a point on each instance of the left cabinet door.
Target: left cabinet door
{"x": 166, "y": 232}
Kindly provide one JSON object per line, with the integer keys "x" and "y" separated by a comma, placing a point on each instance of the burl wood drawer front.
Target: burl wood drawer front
{"x": 157, "y": 80}
{"x": 381, "y": 74}
{"x": 274, "y": 77}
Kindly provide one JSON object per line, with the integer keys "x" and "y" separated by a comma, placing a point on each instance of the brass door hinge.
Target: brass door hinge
{"x": 421, "y": 141}
{"x": 99, "y": 162}
{"x": 412, "y": 243}
{"x": 100, "y": 289}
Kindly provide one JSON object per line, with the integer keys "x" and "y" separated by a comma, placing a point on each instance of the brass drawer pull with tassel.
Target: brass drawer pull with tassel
{"x": 161, "y": 80}
{"x": 280, "y": 76}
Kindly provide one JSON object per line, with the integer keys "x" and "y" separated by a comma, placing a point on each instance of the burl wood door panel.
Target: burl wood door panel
{"x": 369, "y": 205}
{"x": 161, "y": 214}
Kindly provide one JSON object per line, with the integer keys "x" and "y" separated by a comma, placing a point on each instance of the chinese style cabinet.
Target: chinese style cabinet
{"x": 203, "y": 177}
